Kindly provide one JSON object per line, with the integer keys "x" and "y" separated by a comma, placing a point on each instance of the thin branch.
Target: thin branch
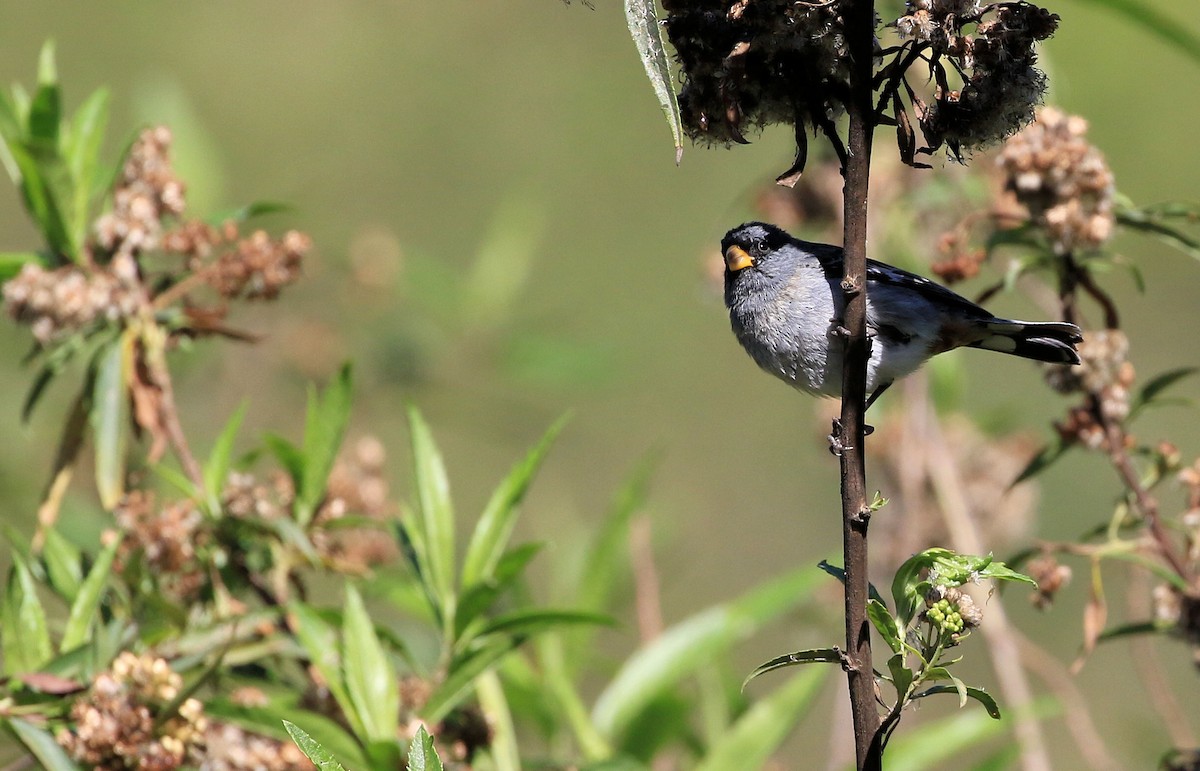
{"x": 859, "y": 19}
{"x": 1149, "y": 670}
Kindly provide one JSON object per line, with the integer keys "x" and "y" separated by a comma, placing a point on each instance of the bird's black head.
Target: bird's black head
{"x": 750, "y": 246}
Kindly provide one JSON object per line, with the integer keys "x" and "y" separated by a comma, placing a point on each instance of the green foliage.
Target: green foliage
{"x": 642, "y": 18}
{"x": 54, "y": 159}
{"x": 320, "y": 757}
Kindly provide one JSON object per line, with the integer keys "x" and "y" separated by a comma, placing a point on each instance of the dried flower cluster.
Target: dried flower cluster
{"x": 991, "y": 47}
{"x": 960, "y": 261}
{"x": 114, "y": 723}
{"x": 1106, "y": 375}
{"x": 164, "y": 538}
{"x": 1050, "y": 575}
{"x": 147, "y": 192}
{"x": 58, "y": 303}
{"x": 356, "y": 487}
{"x": 750, "y": 63}
{"x": 256, "y": 267}
{"x": 1062, "y": 180}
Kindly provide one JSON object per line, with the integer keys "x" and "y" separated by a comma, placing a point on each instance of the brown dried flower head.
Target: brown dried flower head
{"x": 147, "y": 191}
{"x": 1050, "y": 575}
{"x": 746, "y": 64}
{"x": 114, "y": 724}
{"x": 166, "y": 539}
{"x": 230, "y": 748}
{"x": 991, "y": 47}
{"x": 1062, "y": 180}
{"x": 58, "y": 303}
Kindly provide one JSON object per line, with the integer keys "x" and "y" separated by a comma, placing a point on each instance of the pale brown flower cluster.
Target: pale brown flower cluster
{"x": 1104, "y": 373}
{"x": 961, "y": 260}
{"x": 147, "y": 191}
{"x": 58, "y": 303}
{"x": 356, "y": 487}
{"x": 114, "y": 723}
{"x": 1062, "y": 180}
{"x": 166, "y": 539}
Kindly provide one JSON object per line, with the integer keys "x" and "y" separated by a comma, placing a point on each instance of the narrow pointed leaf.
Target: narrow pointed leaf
{"x": 63, "y": 568}
{"x": 1157, "y": 385}
{"x": 659, "y": 665}
{"x": 463, "y": 672}
{"x": 883, "y": 622}
{"x": 422, "y": 755}
{"x": 810, "y": 656}
{"x": 320, "y": 642}
{"x": 110, "y": 418}
{"x": 436, "y": 512}
{"x": 370, "y": 678}
{"x": 963, "y": 692}
{"x": 750, "y": 742}
{"x": 42, "y": 746}
{"x": 24, "y": 636}
{"x": 1045, "y": 458}
{"x": 490, "y": 539}
{"x": 12, "y": 262}
{"x": 529, "y": 621}
{"x": 323, "y": 428}
{"x": 478, "y": 598}
{"x": 606, "y": 559}
{"x": 320, "y": 756}
{"x": 643, "y": 27}
{"x": 217, "y": 468}
{"x": 85, "y": 610}
{"x": 83, "y": 157}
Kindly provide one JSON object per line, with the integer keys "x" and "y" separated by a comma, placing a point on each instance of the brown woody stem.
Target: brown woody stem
{"x": 859, "y": 17}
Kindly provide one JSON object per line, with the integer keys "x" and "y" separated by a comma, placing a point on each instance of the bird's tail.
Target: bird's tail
{"x": 1048, "y": 341}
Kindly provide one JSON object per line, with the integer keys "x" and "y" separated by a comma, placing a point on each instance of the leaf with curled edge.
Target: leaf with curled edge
{"x": 643, "y": 27}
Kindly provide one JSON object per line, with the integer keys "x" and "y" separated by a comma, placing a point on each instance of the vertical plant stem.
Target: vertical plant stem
{"x": 859, "y": 17}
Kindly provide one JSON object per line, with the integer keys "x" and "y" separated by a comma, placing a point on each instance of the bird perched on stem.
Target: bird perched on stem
{"x": 785, "y": 304}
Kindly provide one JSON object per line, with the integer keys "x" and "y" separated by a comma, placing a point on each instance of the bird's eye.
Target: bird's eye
{"x": 760, "y": 246}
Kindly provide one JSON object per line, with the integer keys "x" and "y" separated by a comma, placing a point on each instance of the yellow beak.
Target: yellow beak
{"x": 737, "y": 258}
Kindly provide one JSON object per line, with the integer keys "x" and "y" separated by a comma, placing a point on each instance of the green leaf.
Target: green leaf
{"x": 643, "y": 26}
{"x": 63, "y": 566}
{"x": 24, "y": 637}
{"x": 315, "y": 752}
{"x": 463, "y": 672}
{"x": 436, "y": 520}
{"x": 810, "y": 656}
{"x": 936, "y": 744}
{"x": 958, "y": 686}
{"x": 217, "y": 468}
{"x": 249, "y": 212}
{"x": 85, "y": 610}
{"x": 12, "y": 262}
{"x": 289, "y": 456}
{"x": 494, "y": 529}
{"x": 750, "y": 741}
{"x": 1045, "y": 458}
{"x": 44, "y": 186}
{"x": 82, "y": 153}
{"x": 370, "y": 677}
{"x": 964, "y": 691}
{"x": 1158, "y": 24}
{"x": 687, "y": 646}
{"x": 1157, "y": 385}
{"x": 1135, "y": 628}
{"x": 41, "y": 745}
{"x": 323, "y": 428}
{"x": 528, "y": 621}
{"x": 110, "y": 418}
{"x": 422, "y": 755}
{"x": 320, "y": 642}
{"x": 606, "y": 560}
{"x": 268, "y": 721}
{"x": 885, "y": 624}
{"x": 478, "y": 598}
{"x": 840, "y": 575}
{"x": 902, "y": 676}
{"x": 45, "y": 111}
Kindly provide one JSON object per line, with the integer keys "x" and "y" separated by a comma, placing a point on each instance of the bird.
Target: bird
{"x": 785, "y": 305}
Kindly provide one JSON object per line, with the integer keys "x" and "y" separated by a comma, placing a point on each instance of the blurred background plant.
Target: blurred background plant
{"x": 578, "y": 324}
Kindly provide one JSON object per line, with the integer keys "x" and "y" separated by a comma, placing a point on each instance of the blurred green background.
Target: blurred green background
{"x": 502, "y": 237}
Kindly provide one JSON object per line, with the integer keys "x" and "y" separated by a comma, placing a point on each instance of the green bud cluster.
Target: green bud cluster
{"x": 945, "y": 616}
